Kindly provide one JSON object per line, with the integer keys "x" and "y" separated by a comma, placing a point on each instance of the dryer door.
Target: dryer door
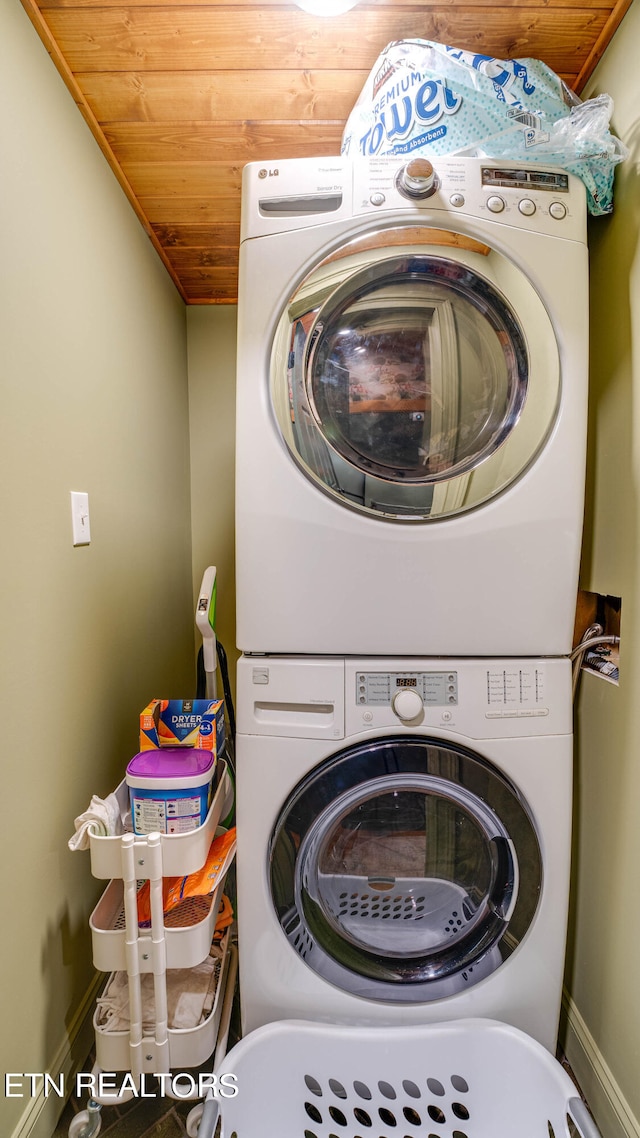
{"x": 415, "y": 374}
{"x": 405, "y": 869}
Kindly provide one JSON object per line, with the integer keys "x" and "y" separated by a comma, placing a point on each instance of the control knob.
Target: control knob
{"x": 417, "y": 179}
{"x": 407, "y": 704}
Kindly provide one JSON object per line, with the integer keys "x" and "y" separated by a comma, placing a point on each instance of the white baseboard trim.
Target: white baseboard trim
{"x": 41, "y": 1114}
{"x": 608, "y": 1105}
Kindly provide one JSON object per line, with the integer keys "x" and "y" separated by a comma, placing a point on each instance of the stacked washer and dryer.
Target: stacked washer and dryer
{"x": 411, "y": 429}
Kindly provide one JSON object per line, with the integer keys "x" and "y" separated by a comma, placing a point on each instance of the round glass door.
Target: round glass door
{"x": 402, "y": 378}
{"x": 404, "y": 870}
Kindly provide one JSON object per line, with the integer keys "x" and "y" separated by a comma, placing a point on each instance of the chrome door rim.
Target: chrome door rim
{"x": 510, "y": 454}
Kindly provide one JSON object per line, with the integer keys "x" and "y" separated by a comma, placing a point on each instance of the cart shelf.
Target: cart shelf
{"x": 188, "y": 932}
{"x": 183, "y": 1048}
{"x": 180, "y": 853}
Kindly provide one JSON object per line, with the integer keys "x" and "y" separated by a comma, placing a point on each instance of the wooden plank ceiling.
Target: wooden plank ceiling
{"x": 180, "y": 95}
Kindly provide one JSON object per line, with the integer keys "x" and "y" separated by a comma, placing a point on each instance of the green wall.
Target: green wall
{"x": 603, "y": 974}
{"x": 94, "y": 398}
{"x": 211, "y": 336}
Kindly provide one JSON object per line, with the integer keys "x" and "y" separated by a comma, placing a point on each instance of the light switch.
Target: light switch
{"x": 80, "y": 518}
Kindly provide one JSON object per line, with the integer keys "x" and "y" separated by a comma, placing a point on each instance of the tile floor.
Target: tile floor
{"x": 151, "y": 1118}
{"x": 160, "y": 1117}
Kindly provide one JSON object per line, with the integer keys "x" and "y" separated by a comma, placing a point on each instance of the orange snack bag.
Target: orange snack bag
{"x": 198, "y": 884}
{"x": 225, "y": 915}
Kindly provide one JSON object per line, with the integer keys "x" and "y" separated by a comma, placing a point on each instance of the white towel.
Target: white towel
{"x": 189, "y": 997}
{"x": 102, "y": 818}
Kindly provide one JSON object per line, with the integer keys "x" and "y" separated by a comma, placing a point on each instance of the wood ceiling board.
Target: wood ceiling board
{"x": 193, "y": 39}
{"x": 198, "y": 258}
{"x": 206, "y": 286}
{"x": 295, "y": 13}
{"x": 185, "y": 180}
{"x": 614, "y": 20}
{"x": 246, "y": 142}
{"x": 180, "y": 96}
{"x": 207, "y": 96}
{"x": 198, "y": 236}
{"x": 191, "y": 211}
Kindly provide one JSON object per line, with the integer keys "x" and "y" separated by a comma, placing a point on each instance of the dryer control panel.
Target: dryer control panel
{"x": 540, "y": 199}
{"x": 460, "y": 192}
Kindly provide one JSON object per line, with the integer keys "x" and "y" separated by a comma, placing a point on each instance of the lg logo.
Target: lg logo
{"x": 268, "y": 173}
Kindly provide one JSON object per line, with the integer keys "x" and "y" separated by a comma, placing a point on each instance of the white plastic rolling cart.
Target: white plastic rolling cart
{"x": 119, "y": 945}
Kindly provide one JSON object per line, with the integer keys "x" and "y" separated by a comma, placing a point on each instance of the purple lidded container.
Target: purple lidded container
{"x": 170, "y": 789}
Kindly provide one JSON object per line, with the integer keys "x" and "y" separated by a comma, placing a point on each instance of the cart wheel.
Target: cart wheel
{"x": 193, "y": 1120}
{"x": 80, "y": 1124}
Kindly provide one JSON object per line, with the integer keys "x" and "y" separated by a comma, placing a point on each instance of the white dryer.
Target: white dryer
{"x": 411, "y": 408}
{"x": 403, "y": 840}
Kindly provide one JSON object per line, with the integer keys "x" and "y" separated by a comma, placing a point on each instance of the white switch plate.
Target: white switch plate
{"x": 80, "y": 518}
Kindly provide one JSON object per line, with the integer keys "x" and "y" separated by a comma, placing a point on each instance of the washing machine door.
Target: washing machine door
{"x": 415, "y": 374}
{"x": 405, "y": 869}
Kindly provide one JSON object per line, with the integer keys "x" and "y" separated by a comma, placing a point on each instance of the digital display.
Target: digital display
{"x": 526, "y": 179}
{"x": 436, "y": 689}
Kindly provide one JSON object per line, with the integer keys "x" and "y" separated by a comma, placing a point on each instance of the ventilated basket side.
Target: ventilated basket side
{"x": 471, "y": 1079}
{"x": 514, "y": 1085}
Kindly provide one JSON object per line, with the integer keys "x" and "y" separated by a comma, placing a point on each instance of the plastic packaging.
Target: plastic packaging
{"x": 426, "y": 98}
{"x": 199, "y": 884}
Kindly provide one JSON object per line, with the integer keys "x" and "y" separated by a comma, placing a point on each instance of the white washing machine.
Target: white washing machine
{"x": 403, "y": 840}
{"x": 411, "y": 408}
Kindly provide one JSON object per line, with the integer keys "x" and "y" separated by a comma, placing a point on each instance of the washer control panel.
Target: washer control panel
{"x": 435, "y": 689}
{"x": 497, "y": 698}
{"x": 515, "y": 691}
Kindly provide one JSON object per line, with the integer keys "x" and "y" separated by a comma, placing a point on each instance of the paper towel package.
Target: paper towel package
{"x": 424, "y": 98}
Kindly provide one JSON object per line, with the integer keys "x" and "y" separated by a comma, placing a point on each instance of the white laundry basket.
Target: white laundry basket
{"x": 467, "y": 1079}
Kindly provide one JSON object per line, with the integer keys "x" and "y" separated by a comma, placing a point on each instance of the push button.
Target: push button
{"x": 457, "y": 200}
{"x": 495, "y": 203}
{"x": 377, "y": 199}
{"x": 527, "y": 207}
{"x": 558, "y": 210}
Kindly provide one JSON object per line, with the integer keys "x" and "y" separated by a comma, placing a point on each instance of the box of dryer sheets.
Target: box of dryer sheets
{"x": 183, "y": 723}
